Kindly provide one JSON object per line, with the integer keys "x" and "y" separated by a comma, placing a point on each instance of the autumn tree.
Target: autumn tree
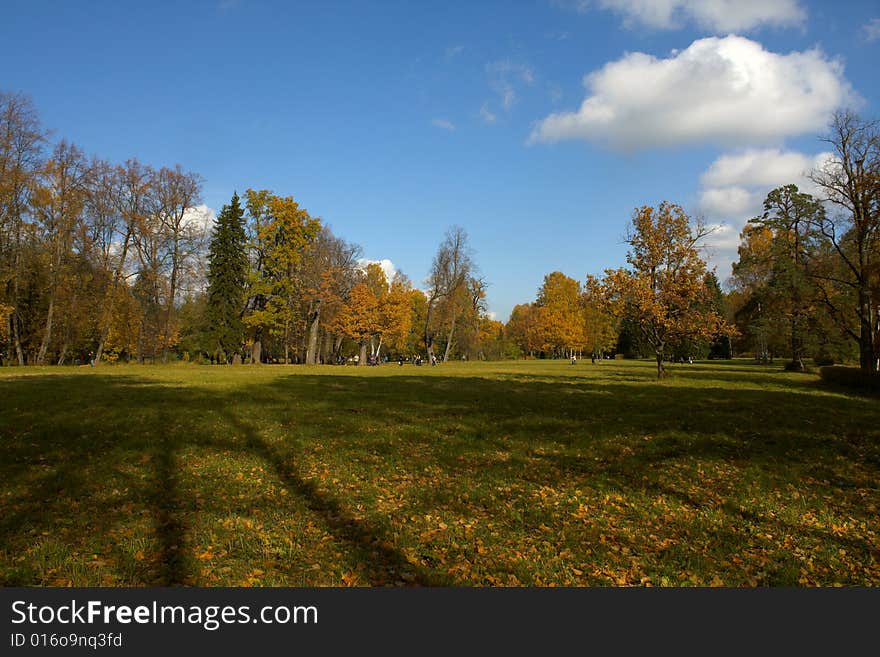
{"x": 790, "y": 217}
{"x": 358, "y": 319}
{"x": 120, "y": 196}
{"x": 600, "y": 327}
{"x": 227, "y": 279}
{"x": 281, "y": 232}
{"x": 560, "y": 315}
{"x": 663, "y": 292}
{"x": 22, "y": 139}
{"x": 150, "y": 286}
{"x": 447, "y": 280}
{"x": 58, "y": 201}
{"x": 395, "y": 315}
{"x": 175, "y": 195}
{"x": 523, "y": 328}
{"x": 850, "y": 182}
{"x": 418, "y": 312}
{"x": 330, "y": 272}
{"x": 758, "y": 319}
{"x": 475, "y": 335}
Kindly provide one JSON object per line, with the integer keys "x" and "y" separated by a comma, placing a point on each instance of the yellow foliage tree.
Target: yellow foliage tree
{"x": 358, "y": 319}
{"x": 559, "y": 315}
{"x": 281, "y": 231}
{"x": 664, "y": 292}
{"x": 523, "y": 328}
{"x": 600, "y": 326}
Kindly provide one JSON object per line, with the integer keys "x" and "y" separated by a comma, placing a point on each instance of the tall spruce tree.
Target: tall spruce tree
{"x": 227, "y": 278}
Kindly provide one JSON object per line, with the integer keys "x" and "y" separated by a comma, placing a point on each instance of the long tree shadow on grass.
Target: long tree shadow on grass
{"x": 148, "y": 442}
{"x": 382, "y": 563}
{"x": 583, "y": 433}
{"x": 130, "y": 437}
{"x": 77, "y": 462}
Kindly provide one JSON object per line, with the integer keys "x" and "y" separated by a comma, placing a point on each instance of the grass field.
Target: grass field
{"x": 526, "y": 473}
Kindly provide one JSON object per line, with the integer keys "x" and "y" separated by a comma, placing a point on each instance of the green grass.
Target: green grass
{"x": 526, "y": 473}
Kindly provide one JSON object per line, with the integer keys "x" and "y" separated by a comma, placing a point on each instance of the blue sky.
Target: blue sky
{"x": 537, "y": 125}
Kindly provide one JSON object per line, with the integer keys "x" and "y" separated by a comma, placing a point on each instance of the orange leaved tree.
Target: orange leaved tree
{"x": 664, "y": 291}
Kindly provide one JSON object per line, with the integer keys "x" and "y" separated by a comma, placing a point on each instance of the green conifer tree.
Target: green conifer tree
{"x": 227, "y": 278}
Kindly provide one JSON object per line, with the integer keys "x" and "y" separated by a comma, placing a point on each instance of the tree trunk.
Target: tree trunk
{"x": 16, "y": 338}
{"x": 661, "y": 371}
{"x": 13, "y": 318}
{"x": 47, "y": 336}
{"x": 312, "y": 351}
{"x": 867, "y": 357}
{"x": 429, "y": 338}
{"x": 171, "y": 294}
{"x": 362, "y": 356}
{"x": 63, "y": 355}
{"x": 450, "y": 339}
{"x": 797, "y": 359}
{"x": 256, "y": 351}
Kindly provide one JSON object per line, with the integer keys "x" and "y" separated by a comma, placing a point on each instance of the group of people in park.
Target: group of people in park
{"x": 415, "y": 359}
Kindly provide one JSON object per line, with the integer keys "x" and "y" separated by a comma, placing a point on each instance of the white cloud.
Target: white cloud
{"x": 735, "y": 185}
{"x": 443, "y": 123}
{"x": 767, "y": 168}
{"x": 872, "y": 29}
{"x": 199, "y": 217}
{"x": 727, "y": 90}
{"x": 454, "y": 51}
{"x": 506, "y": 77}
{"x": 720, "y": 16}
{"x": 386, "y": 265}
{"x": 734, "y": 188}
{"x": 487, "y": 115}
{"x": 726, "y": 201}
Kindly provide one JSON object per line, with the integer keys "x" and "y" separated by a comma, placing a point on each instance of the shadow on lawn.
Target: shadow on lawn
{"x": 152, "y": 439}
{"x": 112, "y": 442}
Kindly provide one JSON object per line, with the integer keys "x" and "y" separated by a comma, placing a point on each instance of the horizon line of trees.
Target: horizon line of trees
{"x": 102, "y": 262}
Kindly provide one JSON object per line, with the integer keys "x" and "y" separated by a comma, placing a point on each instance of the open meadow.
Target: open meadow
{"x": 467, "y": 474}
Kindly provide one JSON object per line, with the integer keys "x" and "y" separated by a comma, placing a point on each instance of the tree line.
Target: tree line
{"x": 102, "y": 261}
{"x": 806, "y": 283}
